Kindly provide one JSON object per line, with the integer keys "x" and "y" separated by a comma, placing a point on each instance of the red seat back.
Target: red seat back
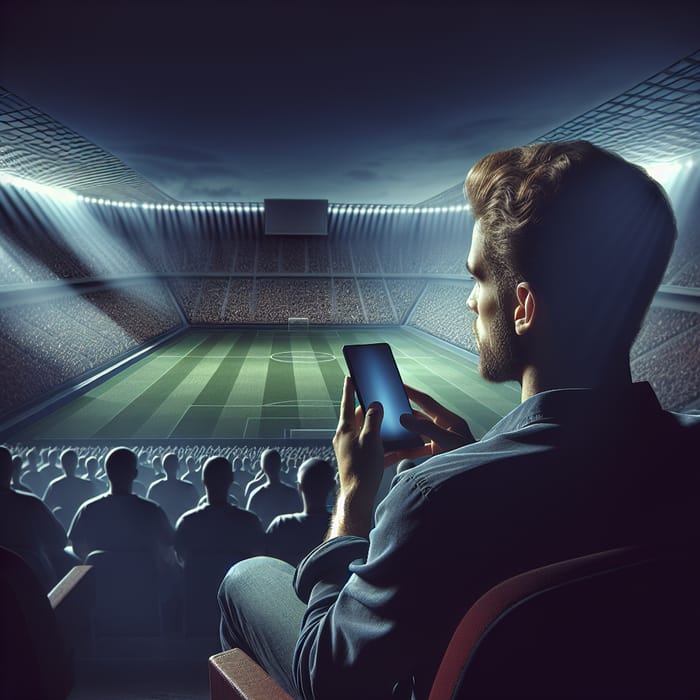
{"x": 622, "y": 623}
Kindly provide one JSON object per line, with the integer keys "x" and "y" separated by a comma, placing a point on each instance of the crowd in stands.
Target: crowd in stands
{"x": 672, "y": 367}
{"x": 378, "y": 306}
{"x": 404, "y": 293}
{"x": 317, "y": 255}
{"x": 683, "y": 269}
{"x": 240, "y": 300}
{"x": 660, "y": 325}
{"x": 440, "y": 311}
{"x": 364, "y": 254}
{"x": 239, "y": 303}
{"x": 280, "y": 299}
{"x": 293, "y": 254}
{"x": 186, "y": 508}
{"x": 47, "y": 343}
{"x": 347, "y": 306}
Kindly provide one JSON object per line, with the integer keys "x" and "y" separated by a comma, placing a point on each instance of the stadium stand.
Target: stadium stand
{"x": 440, "y": 312}
{"x": 52, "y": 342}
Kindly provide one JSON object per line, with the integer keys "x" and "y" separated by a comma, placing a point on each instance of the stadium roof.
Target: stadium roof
{"x": 656, "y": 121}
{"x": 384, "y": 102}
{"x": 35, "y": 147}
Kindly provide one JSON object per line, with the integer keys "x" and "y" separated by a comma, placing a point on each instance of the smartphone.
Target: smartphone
{"x": 376, "y": 377}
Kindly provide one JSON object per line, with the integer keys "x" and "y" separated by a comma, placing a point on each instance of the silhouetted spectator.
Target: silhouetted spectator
{"x": 146, "y": 474}
{"x": 120, "y": 520}
{"x": 16, "y": 482}
{"x": 99, "y": 485}
{"x": 31, "y": 478}
{"x": 29, "y": 528}
{"x": 293, "y": 535}
{"x": 273, "y": 497}
{"x": 192, "y": 474}
{"x": 68, "y": 492}
{"x": 219, "y": 526}
{"x": 255, "y": 480}
{"x": 173, "y": 495}
{"x": 157, "y": 467}
{"x": 48, "y": 472}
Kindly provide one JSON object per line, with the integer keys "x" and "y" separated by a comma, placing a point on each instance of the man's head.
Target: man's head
{"x": 570, "y": 243}
{"x": 69, "y": 461}
{"x": 171, "y": 464}
{"x": 5, "y": 467}
{"x": 52, "y": 457}
{"x": 32, "y": 459}
{"x": 16, "y": 468}
{"x": 271, "y": 463}
{"x": 92, "y": 466}
{"x": 217, "y": 476}
{"x": 121, "y": 469}
{"x": 315, "y": 479}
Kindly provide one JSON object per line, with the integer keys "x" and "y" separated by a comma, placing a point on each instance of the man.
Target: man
{"x": 119, "y": 520}
{"x": 292, "y": 536}
{"x": 171, "y": 494}
{"x": 68, "y": 492}
{"x": 29, "y": 528}
{"x": 569, "y": 245}
{"x": 272, "y": 497}
{"x": 16, "y": 481}
{"x": 218, "y": 526}
{"x": 92, "y": 466}
{"x": 31, "y": 478}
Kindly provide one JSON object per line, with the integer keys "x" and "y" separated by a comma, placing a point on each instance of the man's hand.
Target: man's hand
{"x": 440, "y": 429}
{"x": 360, "y": 455}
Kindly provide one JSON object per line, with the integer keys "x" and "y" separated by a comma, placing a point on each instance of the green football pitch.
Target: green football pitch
{"x": 261, "y": 384}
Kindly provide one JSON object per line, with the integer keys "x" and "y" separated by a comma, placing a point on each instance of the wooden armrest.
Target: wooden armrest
{"x": 76, "y": 583}
{"x": 233, "y": 675}
{"x": 73, "y": 600}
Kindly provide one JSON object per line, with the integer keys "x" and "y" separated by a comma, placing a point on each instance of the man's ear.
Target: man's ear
{"x": 524, "y": 314}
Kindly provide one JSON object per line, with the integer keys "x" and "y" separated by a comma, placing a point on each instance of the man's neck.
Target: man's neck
{"x": 535, "y": 380}
{"x": 119, "y": 491}
{"x": 216, "y": 500}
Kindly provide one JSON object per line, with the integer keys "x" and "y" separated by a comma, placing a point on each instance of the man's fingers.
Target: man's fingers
{"x": 433, "y": 408}
{"x": 438, "y": 413}
{"x": 347, "y": 405}
{"x": 446, "y": 439}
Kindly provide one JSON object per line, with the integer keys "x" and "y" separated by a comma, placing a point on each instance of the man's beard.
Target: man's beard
{"x": 499, "y": 355}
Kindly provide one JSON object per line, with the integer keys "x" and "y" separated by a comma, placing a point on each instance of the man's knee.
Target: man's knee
{"x": 242, "y": 575}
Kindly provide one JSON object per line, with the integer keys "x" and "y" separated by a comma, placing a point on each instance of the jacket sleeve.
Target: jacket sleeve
{"x": 364, "y": 602}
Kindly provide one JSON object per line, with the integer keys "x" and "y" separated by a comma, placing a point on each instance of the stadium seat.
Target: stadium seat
{"x": 620, "y": 623}
{"x": 128, "y": 599}
{"x": 203, "y": 572}
{"x": 37, "y": 634}
{"x": 41, "y": 566}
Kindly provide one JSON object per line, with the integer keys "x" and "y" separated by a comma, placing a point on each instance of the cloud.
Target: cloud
{"x": 362, "y": 174}
{"x": 161, "y": 161}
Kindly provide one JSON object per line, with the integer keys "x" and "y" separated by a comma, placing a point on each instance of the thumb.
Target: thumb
{"x": 373, "y": 418}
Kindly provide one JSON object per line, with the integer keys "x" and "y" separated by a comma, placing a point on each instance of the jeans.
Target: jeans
{"x": 261, "y": 614}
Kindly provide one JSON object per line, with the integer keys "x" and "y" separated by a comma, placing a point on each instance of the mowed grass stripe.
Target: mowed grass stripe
{"x": 279, "y": 386}
{"x": 129, "y": 419}
{"x": 217, "y": 389}
{"x": 333, "y": 373}
{"x": 207, "y": 345}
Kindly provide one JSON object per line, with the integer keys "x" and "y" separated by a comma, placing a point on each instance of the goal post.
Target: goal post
{"x": 298, "y": 323}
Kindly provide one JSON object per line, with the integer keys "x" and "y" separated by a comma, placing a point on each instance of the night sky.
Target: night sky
{"x": 384, "y": 102}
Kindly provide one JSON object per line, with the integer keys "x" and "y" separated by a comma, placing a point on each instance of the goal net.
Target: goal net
{"x": 298, "y": 323}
